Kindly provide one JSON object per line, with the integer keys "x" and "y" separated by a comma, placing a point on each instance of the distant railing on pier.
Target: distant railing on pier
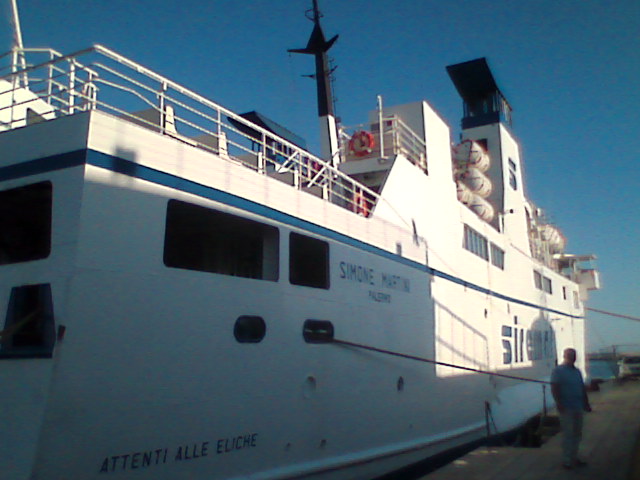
{"x": 98, "y": 78}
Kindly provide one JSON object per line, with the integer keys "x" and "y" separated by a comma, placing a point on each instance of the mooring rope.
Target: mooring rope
{"x": 619, "y": 315}
{"x": 434, "y": 362}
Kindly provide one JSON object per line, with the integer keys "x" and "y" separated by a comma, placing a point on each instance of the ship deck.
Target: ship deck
{"x": 610, "y": 445}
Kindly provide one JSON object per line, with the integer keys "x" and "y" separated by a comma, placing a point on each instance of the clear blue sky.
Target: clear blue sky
{"x": 569, "y": 68}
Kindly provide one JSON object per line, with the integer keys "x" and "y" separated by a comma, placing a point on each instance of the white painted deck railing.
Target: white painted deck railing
{"x": 394, "y": 138}
{"x": 98, "y": 78}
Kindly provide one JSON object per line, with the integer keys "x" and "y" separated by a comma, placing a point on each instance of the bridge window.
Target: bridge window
{"x": 206, "y": 240}
{"x": 476, "y": 243}
{"x": 25, "y": 223}
{"x": 497, "y": 256}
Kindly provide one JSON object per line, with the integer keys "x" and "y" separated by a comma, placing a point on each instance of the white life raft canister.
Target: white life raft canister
{"x": 482, "y": 208}
{"x": 471, "y": 154}
{"x": 478, "y": 182}
{"x": 464, "y": 194}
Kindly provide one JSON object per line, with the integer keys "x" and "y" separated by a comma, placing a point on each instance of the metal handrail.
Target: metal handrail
{"x": 67, "y": 77}
{"x": 403, "y": 140}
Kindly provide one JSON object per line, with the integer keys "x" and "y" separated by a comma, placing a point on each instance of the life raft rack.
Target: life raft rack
{"x": 361, "y": 143}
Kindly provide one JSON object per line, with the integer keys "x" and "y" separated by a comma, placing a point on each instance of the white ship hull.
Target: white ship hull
{"x": 145, "y": 377}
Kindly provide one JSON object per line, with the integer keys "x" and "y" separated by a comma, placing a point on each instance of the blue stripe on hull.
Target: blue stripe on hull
{"x": 132, "y": 169}
{"x": 43, "y": 165}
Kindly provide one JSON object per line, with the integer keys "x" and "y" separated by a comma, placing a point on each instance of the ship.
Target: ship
{"x": 189, "y": 293}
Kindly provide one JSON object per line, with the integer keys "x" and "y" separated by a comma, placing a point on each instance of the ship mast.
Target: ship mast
{"x": 318, "y": 46}
{"x": 17, "y": 47}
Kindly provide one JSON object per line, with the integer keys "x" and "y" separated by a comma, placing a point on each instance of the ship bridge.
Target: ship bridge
{"x": 483, "y": 102}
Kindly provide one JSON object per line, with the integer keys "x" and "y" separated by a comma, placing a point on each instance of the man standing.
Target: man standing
{"x": 571, "y": 399}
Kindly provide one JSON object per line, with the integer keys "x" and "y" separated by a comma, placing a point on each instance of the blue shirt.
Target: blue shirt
{"x": 570, "y": 386}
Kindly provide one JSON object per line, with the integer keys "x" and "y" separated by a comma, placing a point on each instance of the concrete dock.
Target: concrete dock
{"x": 610, "y": 445}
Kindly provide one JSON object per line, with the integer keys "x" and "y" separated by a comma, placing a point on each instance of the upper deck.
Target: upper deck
{"x": 43, "y": 84}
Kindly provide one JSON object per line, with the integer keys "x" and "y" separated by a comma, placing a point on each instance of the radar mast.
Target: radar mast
{"x": 318, "y": 46}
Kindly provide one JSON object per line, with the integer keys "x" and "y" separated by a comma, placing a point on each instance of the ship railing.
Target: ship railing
{"x": 390, "y": 137}
{"x": 99, "y": 79}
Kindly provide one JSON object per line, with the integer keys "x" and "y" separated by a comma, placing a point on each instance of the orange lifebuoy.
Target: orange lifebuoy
{"x": 361, "y": 143}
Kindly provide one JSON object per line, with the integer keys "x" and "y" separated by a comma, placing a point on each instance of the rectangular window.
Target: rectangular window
{"x": 564, "y": 293}
{"x": 308, "y": 261}
{"x": 537, "y": 280}
{"x": 475, "y": 243}
{"x": 29, "y": 325}
{"x": 512, "y": 175}
{"x": 542, "y": 283}
{"x": 206, "y": 240}
{"x": 25, "y": 223}
{"x": 497, "y": 256}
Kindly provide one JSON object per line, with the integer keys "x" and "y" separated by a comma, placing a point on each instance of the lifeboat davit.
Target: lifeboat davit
{"x": 478, "y": 182}
{"x": 553, "y": 237}
{"x": 471, "y": 154}
{"x": 482, "y": 208}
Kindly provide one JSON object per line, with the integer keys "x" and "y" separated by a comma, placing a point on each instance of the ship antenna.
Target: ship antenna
{"x": 318, "y": 46}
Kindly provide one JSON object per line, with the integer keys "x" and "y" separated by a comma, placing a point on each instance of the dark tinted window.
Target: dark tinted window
{"x": 308, "y": 261}
{"x": 29, "y": 324}
{"x": 199, "y": 238}
{"x": 25, "y": 223}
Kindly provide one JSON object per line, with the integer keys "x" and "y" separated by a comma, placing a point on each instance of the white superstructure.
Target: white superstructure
{"x": 176, "y": 279}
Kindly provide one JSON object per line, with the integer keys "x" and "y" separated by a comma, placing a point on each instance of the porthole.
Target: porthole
{"x": 249, "y": 329}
